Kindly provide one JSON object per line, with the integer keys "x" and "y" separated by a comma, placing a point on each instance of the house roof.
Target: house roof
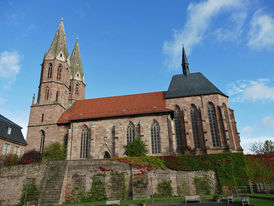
{"x": 135, "y": 104}
{"x": 192, "y": 84}
{"x": 16, "y": 133}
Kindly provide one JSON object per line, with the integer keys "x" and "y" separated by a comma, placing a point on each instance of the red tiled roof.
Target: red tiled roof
{"x": 115, "y": 106}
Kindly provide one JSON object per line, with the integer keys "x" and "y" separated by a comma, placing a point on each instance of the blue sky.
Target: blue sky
{"x": 134, "y": 46}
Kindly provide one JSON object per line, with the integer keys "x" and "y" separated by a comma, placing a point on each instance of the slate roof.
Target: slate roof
{"x": 193, "y": 84}
{"x": 117, "y": 106}
{"x": 16, "y": 133}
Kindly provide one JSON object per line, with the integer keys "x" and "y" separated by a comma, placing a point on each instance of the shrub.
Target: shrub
{"x": 9, "y": 160}
{"x": 98, "y": 189}
{"x": 118, "y": 185}
{"x": 32, "y": 193}
{"x": 136, "y": 148}
{"x": 53, "y": 152}
{"x": 30, "y": 157}
{"x": 202, "y": 185}
{"x": 164, "y": 188}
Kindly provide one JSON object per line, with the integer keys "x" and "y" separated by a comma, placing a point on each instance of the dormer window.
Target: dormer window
{"x": 9, "y": 130}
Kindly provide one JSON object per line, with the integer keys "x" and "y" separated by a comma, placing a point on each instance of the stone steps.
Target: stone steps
{"x": 51, "y": 185}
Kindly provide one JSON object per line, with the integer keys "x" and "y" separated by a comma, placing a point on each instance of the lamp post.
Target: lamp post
{"x": 27, "y": 182}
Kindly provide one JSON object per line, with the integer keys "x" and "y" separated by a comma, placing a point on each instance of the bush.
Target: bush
{"x": 202, "y": 185}
{"x": 136, "y": 148}
{"x": 8, "y": 160}
{"x": 98, "y": 189}
{"x": 164, "y": 188}
{"x": 32, "y": 193}
{"x": 30, "y": 157}
{"x": 53, "y": 152}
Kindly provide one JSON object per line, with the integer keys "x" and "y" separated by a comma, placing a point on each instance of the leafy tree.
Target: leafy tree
{"x": 263, "y": 148}
{"x": 53, "y": 152}
{"x": 136, "y": 148}
{"x": 30, "y": 157}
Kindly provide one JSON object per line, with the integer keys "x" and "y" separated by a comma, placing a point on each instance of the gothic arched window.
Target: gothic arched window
{"x": 130, "y": 132}
{"x": 50, "y": 71}
{"x": 178, "y": 127}
{"x": 46, "y": 93}
{"x": 77, "y": 89}
{"x": 57, "y": 95}
{"x": 42, "y": 141}
{"x": 195, "y": 128}
{"x": 59, "y": 71}
{"x": 84, "y": 143}
{"x": 213, "y": 124}
{"x": 155, "y": 138}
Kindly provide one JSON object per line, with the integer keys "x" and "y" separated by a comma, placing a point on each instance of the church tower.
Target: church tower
{"x": 53, "y": 94}
{"x": 77, "y": 79}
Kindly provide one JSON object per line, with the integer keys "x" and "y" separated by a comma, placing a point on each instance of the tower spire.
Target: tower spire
{"x": 185, "y": 65}
{"x": 58, "y": 48}
{"x": 76, "y": 63}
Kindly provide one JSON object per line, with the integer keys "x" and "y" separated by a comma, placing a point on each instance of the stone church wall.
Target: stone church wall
{"x": 79, "y": 173}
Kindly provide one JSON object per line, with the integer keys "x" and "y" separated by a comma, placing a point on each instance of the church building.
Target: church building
{"x": 193, "y": 115}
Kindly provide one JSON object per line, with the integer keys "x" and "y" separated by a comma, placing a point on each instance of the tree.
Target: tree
{"x": 136, "y": 148}
{"x": 53, "y": 152}
{"x": 260, "y": 148}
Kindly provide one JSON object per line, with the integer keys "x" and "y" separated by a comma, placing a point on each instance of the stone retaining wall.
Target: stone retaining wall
{"x": 79, "y": 173}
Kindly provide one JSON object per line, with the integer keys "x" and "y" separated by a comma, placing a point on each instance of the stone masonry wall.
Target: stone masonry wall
{"x": 68, "y": 174}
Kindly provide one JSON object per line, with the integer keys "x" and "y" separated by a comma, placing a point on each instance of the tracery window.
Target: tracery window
{"x": 195, "y": 128}
{"x": 50, "y": 71}
{"x": 84, "y": 143}
{"x": 46, "y": 93}
{"x": 178, "y": 128}
{"x": 130, "y": 132}
{"x": 59, "y": 71}
{"x": 155, "y": 138}
{"x": 42, "y": 142}
{"x": 213, "y": 124}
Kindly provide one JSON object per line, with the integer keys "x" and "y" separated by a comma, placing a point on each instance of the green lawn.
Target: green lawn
{"x": 260, "y": 202}
{"x": 263, "y": 195}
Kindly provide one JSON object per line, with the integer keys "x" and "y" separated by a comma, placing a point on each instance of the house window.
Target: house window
{"x": 16, "y": 150}
{"x": 213, "y": 124}
{"x": 195, "y": 127}
{"x": 50, "y": 71}
{"x": 59, "y": 71}
{"x": 6, "y": 149}
{"x": 9, "y": 131}
{"x": 42, "y": 142}
{"x": 84, "y": 143}
{"x": 155, "y": 138}
{"x": 130, "y": 132}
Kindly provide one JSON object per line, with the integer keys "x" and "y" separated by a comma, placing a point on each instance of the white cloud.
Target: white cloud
{"x": 199, "y": 18}
{"x": 233, "y": 30}
{"x": 247, "y": 142}
{"x": 268, "y": 122}
{"x": 247, "y": 130}
{"x": 9, "y": 63}
{"x": 2, "y": 100}
{"x": 261, "y": 34}
{"x": 260, "y": 89}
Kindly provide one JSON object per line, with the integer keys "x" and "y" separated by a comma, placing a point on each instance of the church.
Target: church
{"x": 193, "y": 115}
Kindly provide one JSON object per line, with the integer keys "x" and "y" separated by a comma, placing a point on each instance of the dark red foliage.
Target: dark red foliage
{"x": 30, "y": 157}
{"x": 102, "y": 169}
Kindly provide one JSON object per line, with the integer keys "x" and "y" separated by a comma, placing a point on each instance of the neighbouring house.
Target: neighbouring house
{"x": 11, "y": 138}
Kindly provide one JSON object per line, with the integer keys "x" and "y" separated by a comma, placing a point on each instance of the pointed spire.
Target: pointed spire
{"x": 76, "y": 63}
{"x": 185, "y": 65}
{"x": 59, "y": 44}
